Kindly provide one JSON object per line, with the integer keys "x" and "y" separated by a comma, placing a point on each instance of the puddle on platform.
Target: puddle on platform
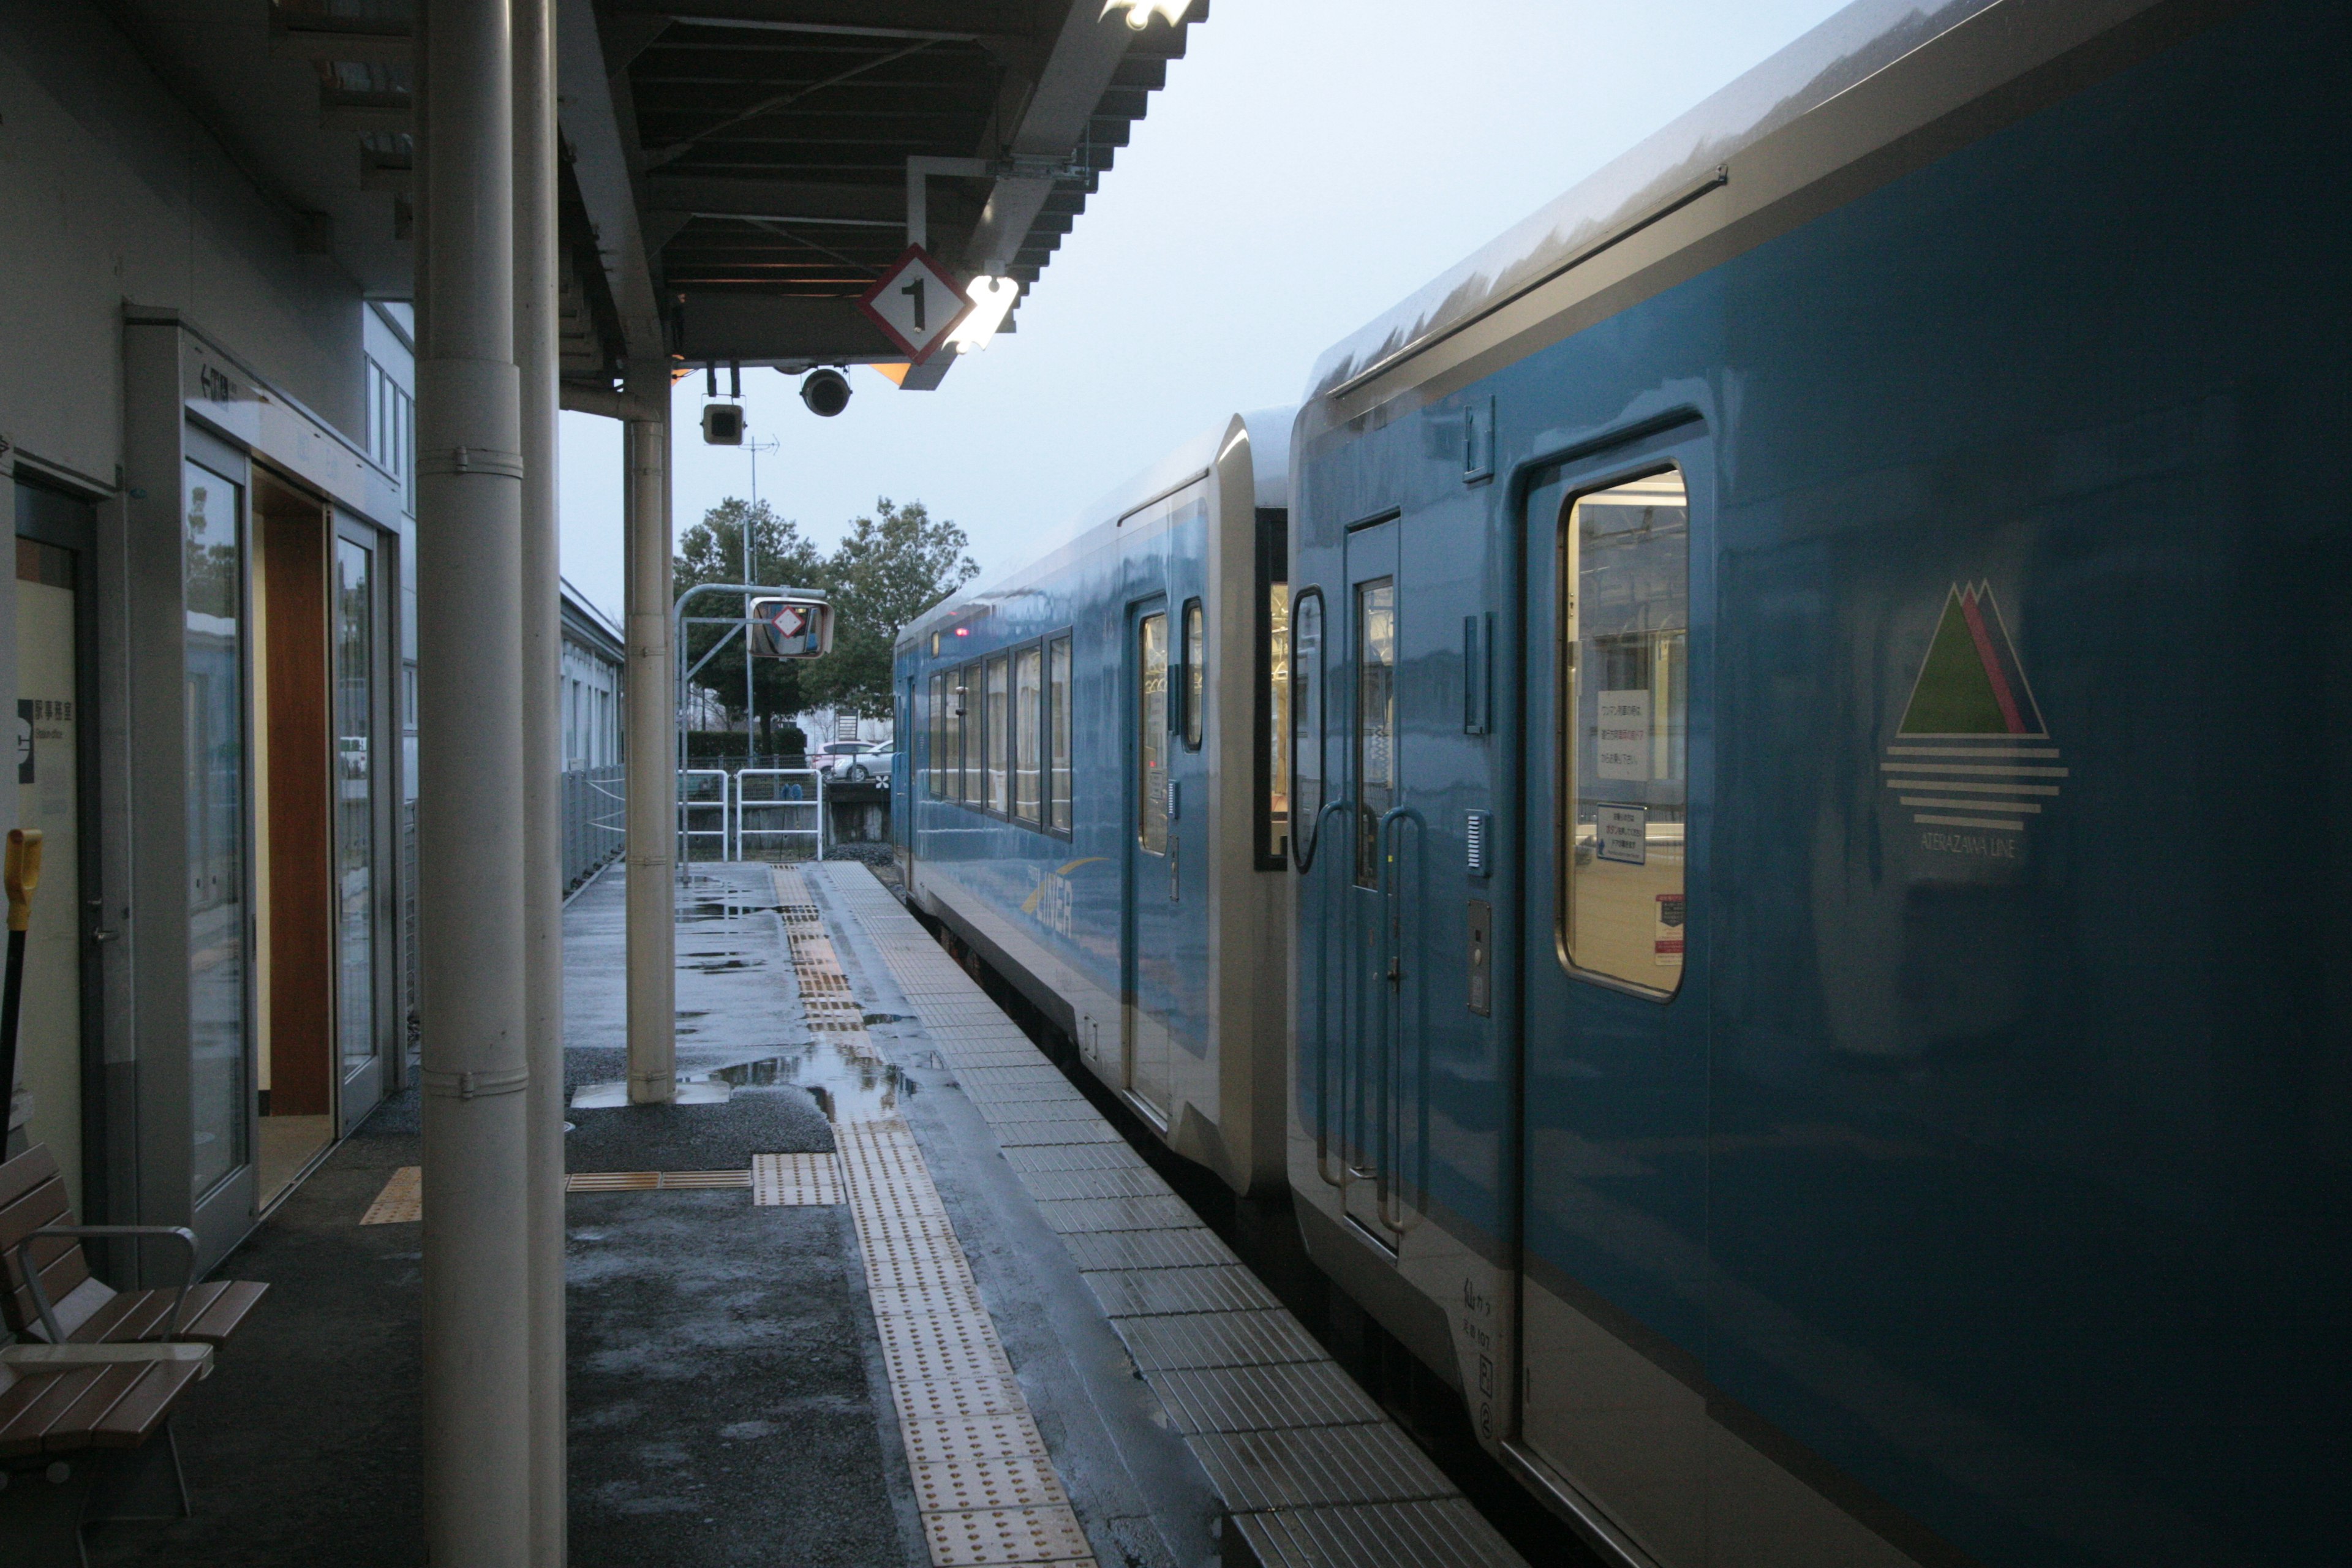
{"x": 848, "y": 1085}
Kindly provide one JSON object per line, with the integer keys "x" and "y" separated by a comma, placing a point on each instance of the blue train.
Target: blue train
{"x": 1718, "y": 806}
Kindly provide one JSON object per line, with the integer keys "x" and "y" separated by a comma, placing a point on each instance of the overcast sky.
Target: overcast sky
{"x": 1306, "y": 166}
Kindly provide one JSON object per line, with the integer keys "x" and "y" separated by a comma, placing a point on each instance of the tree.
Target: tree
{"x": 890, "y": 568}
{"x": 712, "y": 552}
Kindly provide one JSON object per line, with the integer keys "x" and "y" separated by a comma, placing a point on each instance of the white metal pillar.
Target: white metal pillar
{"x": 535, "y": 352}
{"x": 653, "y": 770}
{"x": 470, "y": 902}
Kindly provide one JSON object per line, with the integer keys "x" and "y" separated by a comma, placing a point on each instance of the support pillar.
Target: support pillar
{"x": 653, "y": 770}
{"x": 471, "y": 901}
{"x": 537, "y": 330}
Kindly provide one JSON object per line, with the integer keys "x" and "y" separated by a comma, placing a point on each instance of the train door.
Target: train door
{"x": 1612, "y": 1135}
{"x": 1374, "y": 924}
{"x": 58, "y": 1060}
{"x": 1147, "y": 934}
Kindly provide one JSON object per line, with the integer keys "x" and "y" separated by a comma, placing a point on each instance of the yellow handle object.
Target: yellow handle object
{"x": 23, "y": 874}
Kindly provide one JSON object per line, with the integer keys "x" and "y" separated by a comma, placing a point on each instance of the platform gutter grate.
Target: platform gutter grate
{"x": 1316, "y": 1475}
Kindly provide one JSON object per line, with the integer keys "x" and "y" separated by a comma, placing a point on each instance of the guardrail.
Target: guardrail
{"x": 696, "y": 802}
{"x": 790, "y": 804}
{"x": 595, "y": 821}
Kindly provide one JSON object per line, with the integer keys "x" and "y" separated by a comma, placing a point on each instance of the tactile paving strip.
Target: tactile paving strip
{"x": 402, "y": 1200}
{"x": 984, "y": 1483}
{"x": 1316, "y": 1476}
{"x": 651, "y": 1181}
{"x": 796, "y": 1179}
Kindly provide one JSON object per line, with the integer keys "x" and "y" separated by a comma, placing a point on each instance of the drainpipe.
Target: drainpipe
{"x": 470, "y": 904}
{"x": 535, "y": 352}
{"x": 653, "y": 776}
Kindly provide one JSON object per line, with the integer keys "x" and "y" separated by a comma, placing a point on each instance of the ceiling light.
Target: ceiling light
{"x": 1141, "y": 12}
{"x": 991, "y": 299}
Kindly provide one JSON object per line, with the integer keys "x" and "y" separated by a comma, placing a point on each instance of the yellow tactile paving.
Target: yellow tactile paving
{"x": 983, "y": 1480}
{"x": 402, "y": 1200}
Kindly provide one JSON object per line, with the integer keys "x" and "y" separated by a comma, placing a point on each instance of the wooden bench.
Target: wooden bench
{"x": 62, "y": 1408}
{"x": 51, "y": 1295}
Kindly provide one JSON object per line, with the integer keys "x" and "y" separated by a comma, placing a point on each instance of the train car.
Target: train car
{"x": 1093, "y": 793}
{"x": 1823, "y": 696}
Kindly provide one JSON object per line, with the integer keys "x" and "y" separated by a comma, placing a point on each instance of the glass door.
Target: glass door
{"x": 362, "y": 904}
{"x": 219, "y": 958}
{"x": 56, "y": 1055}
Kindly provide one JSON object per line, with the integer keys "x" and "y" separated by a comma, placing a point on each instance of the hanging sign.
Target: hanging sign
{"x": 916, "y": 303}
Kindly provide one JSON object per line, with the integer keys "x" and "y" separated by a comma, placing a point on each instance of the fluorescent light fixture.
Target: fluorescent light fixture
{"x": 991, "y": 299}
{"x": 1139, "y": 12}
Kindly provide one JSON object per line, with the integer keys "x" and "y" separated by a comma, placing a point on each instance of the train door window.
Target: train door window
{"x": 937, "y": 772}
{"x": 1196, "y": 670}
{"x": 997, "y": 719}
{"x": 1057, "y": 726}
{"x": 1028, "y": 711}
{"x": 968, "y": 738}
{"x": 1305, "y": 722}
{"x": 1376, "y": 778}
{"x": 1625, "y": 620}
{"x": 1152, "y": 733}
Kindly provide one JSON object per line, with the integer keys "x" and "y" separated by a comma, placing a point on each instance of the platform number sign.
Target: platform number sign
{"x": 916, "y": 303}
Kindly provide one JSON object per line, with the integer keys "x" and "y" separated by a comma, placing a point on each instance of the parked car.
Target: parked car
{"x": 873, "y": 766}
{"x": 838, "y": 757}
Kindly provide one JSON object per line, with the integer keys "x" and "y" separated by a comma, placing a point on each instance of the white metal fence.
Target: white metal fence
{"x": 751, "y": 814}
{"x": 595, "y": 820}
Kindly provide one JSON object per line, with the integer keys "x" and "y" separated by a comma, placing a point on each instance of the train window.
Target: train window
{"x": 968, "y": 735}
{"x": 937, "y": 773}
{"x": 1305, "y": 723}
{"x": 1277, "y": 719}
{"x": 1196, "y": 669}
{"x": 1028, "y": 709}
{"x": 997, "y": 720}
{"x": 1151, "y": 737}
{"x": 1624, "y": 654}
{"x": 1057, "y": 726}
{"x": 1376, "y": 773}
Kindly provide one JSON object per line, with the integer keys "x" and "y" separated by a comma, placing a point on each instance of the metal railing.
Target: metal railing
{"x": 701, "y": 792}
{"x": 790, "y": 806}
{"x": 595, "y": 821}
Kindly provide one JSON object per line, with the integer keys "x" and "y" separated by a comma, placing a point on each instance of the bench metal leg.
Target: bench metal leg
{"x": 40, "y": 1520}
{"x": 144, "y": 1483}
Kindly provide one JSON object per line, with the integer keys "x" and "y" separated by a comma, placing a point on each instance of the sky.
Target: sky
{"x": 1306, "y": 166}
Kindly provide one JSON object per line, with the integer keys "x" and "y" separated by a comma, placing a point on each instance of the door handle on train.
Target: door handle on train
{"x": 1390, "y": 1207}
{"x": 1322, "y": 1012}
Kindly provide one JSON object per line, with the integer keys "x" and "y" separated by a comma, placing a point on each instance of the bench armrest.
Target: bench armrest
{"x": 186, "y": 1237}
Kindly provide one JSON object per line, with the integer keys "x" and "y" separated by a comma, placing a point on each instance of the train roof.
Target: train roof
{"x": 1269, "y": 438}
{"x": 1655, "y": 177}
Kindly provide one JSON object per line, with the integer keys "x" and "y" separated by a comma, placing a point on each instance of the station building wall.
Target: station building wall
{"x": 157, "y": 310}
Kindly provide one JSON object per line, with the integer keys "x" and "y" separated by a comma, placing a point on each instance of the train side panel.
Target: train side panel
{"x": 1964, "y": 1177}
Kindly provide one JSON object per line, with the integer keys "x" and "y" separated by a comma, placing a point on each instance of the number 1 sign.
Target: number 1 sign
{"x": 916, "y": 303}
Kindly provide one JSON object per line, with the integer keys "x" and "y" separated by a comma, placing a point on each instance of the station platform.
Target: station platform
{"x": 891, "y": 1290}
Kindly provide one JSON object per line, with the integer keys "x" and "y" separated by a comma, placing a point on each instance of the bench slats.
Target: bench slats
{"x": 217, "y": 1319}
{"x": 46, "y": 1398}
{"x": 141, "y": 1409}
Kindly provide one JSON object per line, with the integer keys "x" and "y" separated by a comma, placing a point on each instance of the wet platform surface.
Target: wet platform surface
{"x": 915, "y": 1302}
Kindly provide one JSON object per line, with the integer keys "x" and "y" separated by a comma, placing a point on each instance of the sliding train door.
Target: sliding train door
{"x": 1149, "y": 982}
{"x": 1612, "y": 1289}
{"x": 1375, "y": 924}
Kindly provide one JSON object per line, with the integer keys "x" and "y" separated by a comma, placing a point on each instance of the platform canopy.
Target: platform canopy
{"x": 737, "y": 172}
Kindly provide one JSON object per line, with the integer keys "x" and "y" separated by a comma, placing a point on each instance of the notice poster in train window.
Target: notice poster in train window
{"x": 1624, "y": 831}
{"x": 1621, "y": 743}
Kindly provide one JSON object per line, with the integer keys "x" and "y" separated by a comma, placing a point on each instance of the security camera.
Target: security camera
{"x": 826, "y": 393}
{"x": 722, "y": 424}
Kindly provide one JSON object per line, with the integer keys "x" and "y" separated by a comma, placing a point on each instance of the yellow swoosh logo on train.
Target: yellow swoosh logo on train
{"x": 1029, "y": 904}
